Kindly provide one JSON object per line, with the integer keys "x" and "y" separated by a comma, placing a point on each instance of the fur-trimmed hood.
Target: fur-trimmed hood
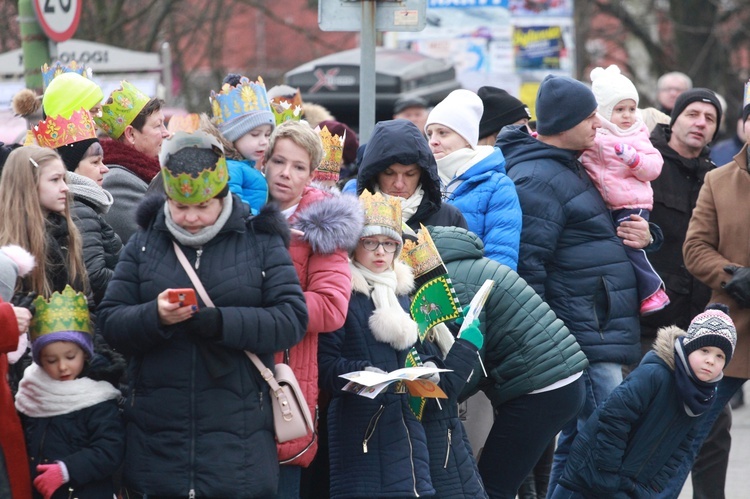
{"x": 268, "y": 221}
{"x": 404, "y": 278}
{"x": 329, "y": 220}
{"x": 664, "y": 343}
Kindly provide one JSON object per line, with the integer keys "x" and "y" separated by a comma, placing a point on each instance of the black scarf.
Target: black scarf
{"x": 696, "y": 395}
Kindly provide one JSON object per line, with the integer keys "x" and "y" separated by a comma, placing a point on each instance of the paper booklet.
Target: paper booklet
{"x": 369, "y": 384}
{"x": 477, "y": 303}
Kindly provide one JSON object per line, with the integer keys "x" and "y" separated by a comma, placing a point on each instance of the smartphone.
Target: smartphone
{"x": 185, "y": 296}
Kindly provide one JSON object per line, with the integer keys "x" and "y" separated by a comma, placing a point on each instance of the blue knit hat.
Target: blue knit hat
{"x": 561, "y": 104}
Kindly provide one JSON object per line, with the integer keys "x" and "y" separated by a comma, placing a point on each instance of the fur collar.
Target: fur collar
{"x": 664, "y": 343}
{"x": 404, "y": 278}
{"x": 328, "y": 220}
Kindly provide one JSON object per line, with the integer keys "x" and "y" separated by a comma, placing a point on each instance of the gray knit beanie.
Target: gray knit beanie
{"x": 236, "y": 128}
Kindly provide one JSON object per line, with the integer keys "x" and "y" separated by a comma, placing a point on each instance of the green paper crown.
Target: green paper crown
{"x": 66, "y": 311}
{"x": 188, "y": 189}
{"x": 121, "y": 109}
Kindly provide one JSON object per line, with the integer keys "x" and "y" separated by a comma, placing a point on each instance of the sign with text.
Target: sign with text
{"x": 58, "y": 18}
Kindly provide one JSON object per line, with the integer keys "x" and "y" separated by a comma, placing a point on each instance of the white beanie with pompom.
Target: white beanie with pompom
{"x": 610, "y": 87}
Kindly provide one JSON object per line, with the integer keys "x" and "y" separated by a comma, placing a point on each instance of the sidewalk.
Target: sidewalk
{"x": 738, "y": 475}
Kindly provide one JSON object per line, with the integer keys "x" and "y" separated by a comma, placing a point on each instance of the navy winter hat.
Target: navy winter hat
{"x": 500, "y": 109}
{"x": 696, "y": 95}
{"x": 561, "y": 104}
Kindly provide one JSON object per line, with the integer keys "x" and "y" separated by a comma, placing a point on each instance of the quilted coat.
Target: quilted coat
{"x": 377, "y": 446}
{"x": 187, "y": 432}
{"x": 570, "y": 253}
{"x": 331, "y": 225}
{"x": 526, "y": 346}
{"x": 634, "y": 442}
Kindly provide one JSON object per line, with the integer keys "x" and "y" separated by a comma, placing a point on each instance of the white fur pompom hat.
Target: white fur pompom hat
{"x": 610, "y": 86}
{"x": 15, "y": 262}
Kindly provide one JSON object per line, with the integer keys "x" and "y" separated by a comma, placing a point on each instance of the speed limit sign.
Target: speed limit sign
{"x": 58, "y": 18}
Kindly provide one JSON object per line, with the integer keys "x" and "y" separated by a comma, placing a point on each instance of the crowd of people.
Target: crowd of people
{"x": 142, "y": 263}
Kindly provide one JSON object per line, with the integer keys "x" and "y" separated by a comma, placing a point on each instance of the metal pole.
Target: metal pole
{"x": 33, "y": 45}
{"x": 367, "y": 71}
{"x": 166, "y": 72}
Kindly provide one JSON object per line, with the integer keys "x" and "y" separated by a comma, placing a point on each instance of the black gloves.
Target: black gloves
{"x": 25, "y": 300}
{"x": 205, "y": 324}
{"x": 739, "y": 286}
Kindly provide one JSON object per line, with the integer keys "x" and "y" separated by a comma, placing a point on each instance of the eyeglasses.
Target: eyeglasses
{"x": 372, "y": 245}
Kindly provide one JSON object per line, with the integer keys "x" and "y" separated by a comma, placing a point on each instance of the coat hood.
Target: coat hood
{"x": 664, "y": 343}
{"x": 329, "y": 220}
{"x": 398, "y": 141}
{"x": 518, "y": 146}
{"x": 456, "y": 243}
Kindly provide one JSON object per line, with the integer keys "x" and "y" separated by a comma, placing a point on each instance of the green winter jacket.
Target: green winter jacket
{"x": 526, "y": 347}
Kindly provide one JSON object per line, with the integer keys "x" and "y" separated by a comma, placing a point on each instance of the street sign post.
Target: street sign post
{"x": 58, "y": 18}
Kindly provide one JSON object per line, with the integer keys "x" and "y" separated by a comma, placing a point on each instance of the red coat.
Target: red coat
{"x": 331, "y": 224}
{"x": 11, "y": 434}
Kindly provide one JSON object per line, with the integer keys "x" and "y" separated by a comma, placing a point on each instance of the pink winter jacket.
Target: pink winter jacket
{"x": 331, "y": 225}
{"x": 620, "y": 185}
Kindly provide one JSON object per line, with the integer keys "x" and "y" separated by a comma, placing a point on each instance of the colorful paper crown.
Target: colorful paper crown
{"x": 121, "y": 109}
{"x": 57, "y": 68}
{"x": 63, "y": 312}
{"x": 184, "y": 123}
{"x": 422, "y": 256}
{"x": 285, "y": 108}
{"x": 380, "y": 211}
{"x": 57, "y": 131}
{"x": 333, "y": 152}
{"x": 233, "y": 102}
{"x": 193, "y": 189}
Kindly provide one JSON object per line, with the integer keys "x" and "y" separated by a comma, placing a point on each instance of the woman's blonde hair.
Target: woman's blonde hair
{"x": 24, "y": 221}
{"x": 302, "y": 135}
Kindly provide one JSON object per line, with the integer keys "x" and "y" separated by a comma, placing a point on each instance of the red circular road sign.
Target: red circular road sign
{"x": 58, "y": 18}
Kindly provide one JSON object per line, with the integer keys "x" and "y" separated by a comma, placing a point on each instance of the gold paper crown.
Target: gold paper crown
{"x": 49, "y": 73}
{"x": 57, "y": 131}
{"x": 333, "y": 152}
{"x": 422, "y": 256}
{"x": 381, "y": 211}
{"x": 285, "y": 108}
{"x": 121, "y": 108}
{"x": 233, "y": 102}
{"x": 66, "y": 311}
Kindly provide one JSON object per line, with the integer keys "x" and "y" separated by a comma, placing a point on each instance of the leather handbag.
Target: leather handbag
{"x": 291, "y": 416}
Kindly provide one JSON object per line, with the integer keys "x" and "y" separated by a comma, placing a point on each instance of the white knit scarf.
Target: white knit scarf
{"x": 85, "y": 188}
{"x": 408, "y": 205}
{"x": 458, "y": 162}
{"x": 40, "y": 396}
{"x": 389, "y": 322}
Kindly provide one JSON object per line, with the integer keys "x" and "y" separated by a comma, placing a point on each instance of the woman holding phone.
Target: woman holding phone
{"x": 198, "y": 414}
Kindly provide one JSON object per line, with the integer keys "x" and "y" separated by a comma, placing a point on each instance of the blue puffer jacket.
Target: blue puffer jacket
{"x": 488, "y": 201}
{"x": 189, "y": 432}
{"x": 570, "y": 253}
{"x": 452, "y": 465}
{"x": 634, "y": 442}
{"x": 248, "y": 183}
{"x": 377, "y": 446}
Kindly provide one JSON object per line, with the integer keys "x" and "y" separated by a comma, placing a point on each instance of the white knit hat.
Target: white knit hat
{"x": 610, "y": 87}
{"x": 461, "y": 111}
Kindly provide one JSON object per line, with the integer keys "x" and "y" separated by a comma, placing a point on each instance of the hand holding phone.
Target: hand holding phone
{"x": 183, "y": 296}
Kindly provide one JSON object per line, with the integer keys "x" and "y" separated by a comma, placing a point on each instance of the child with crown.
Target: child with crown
{"x": 379, "y": 442}
{"x": 244, "y": 118}
{"x": 68, "y": 404}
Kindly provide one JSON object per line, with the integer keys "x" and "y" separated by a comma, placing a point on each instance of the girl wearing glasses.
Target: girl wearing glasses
{"x": 379, "y": 441}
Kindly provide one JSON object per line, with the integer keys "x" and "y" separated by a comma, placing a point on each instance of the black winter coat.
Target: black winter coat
{"x": 675, "y": 194}
{"x": 188, "y": 432}
{"x": 400, "y": 141}
{"x": 570, "y": 253}
{"x": 89, "y": 441}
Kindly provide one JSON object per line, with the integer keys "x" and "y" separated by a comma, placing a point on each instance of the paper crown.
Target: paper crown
{"x": 333, "y": 152}
{"x": 184, "y": 123}
{"x": 287, "y": 108}
{"x": 63, "y": 312}
{"x": 204, "y": 185}
{"x": 380, "y": 211}
{"x": 233, "y": 102}
{"x": 746, "y": 98}
{"x": 57, "y": 68}
{"x": 57, "y": 131}
{"x": 422, "y": 256}
{"x": 121, "y": 108}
